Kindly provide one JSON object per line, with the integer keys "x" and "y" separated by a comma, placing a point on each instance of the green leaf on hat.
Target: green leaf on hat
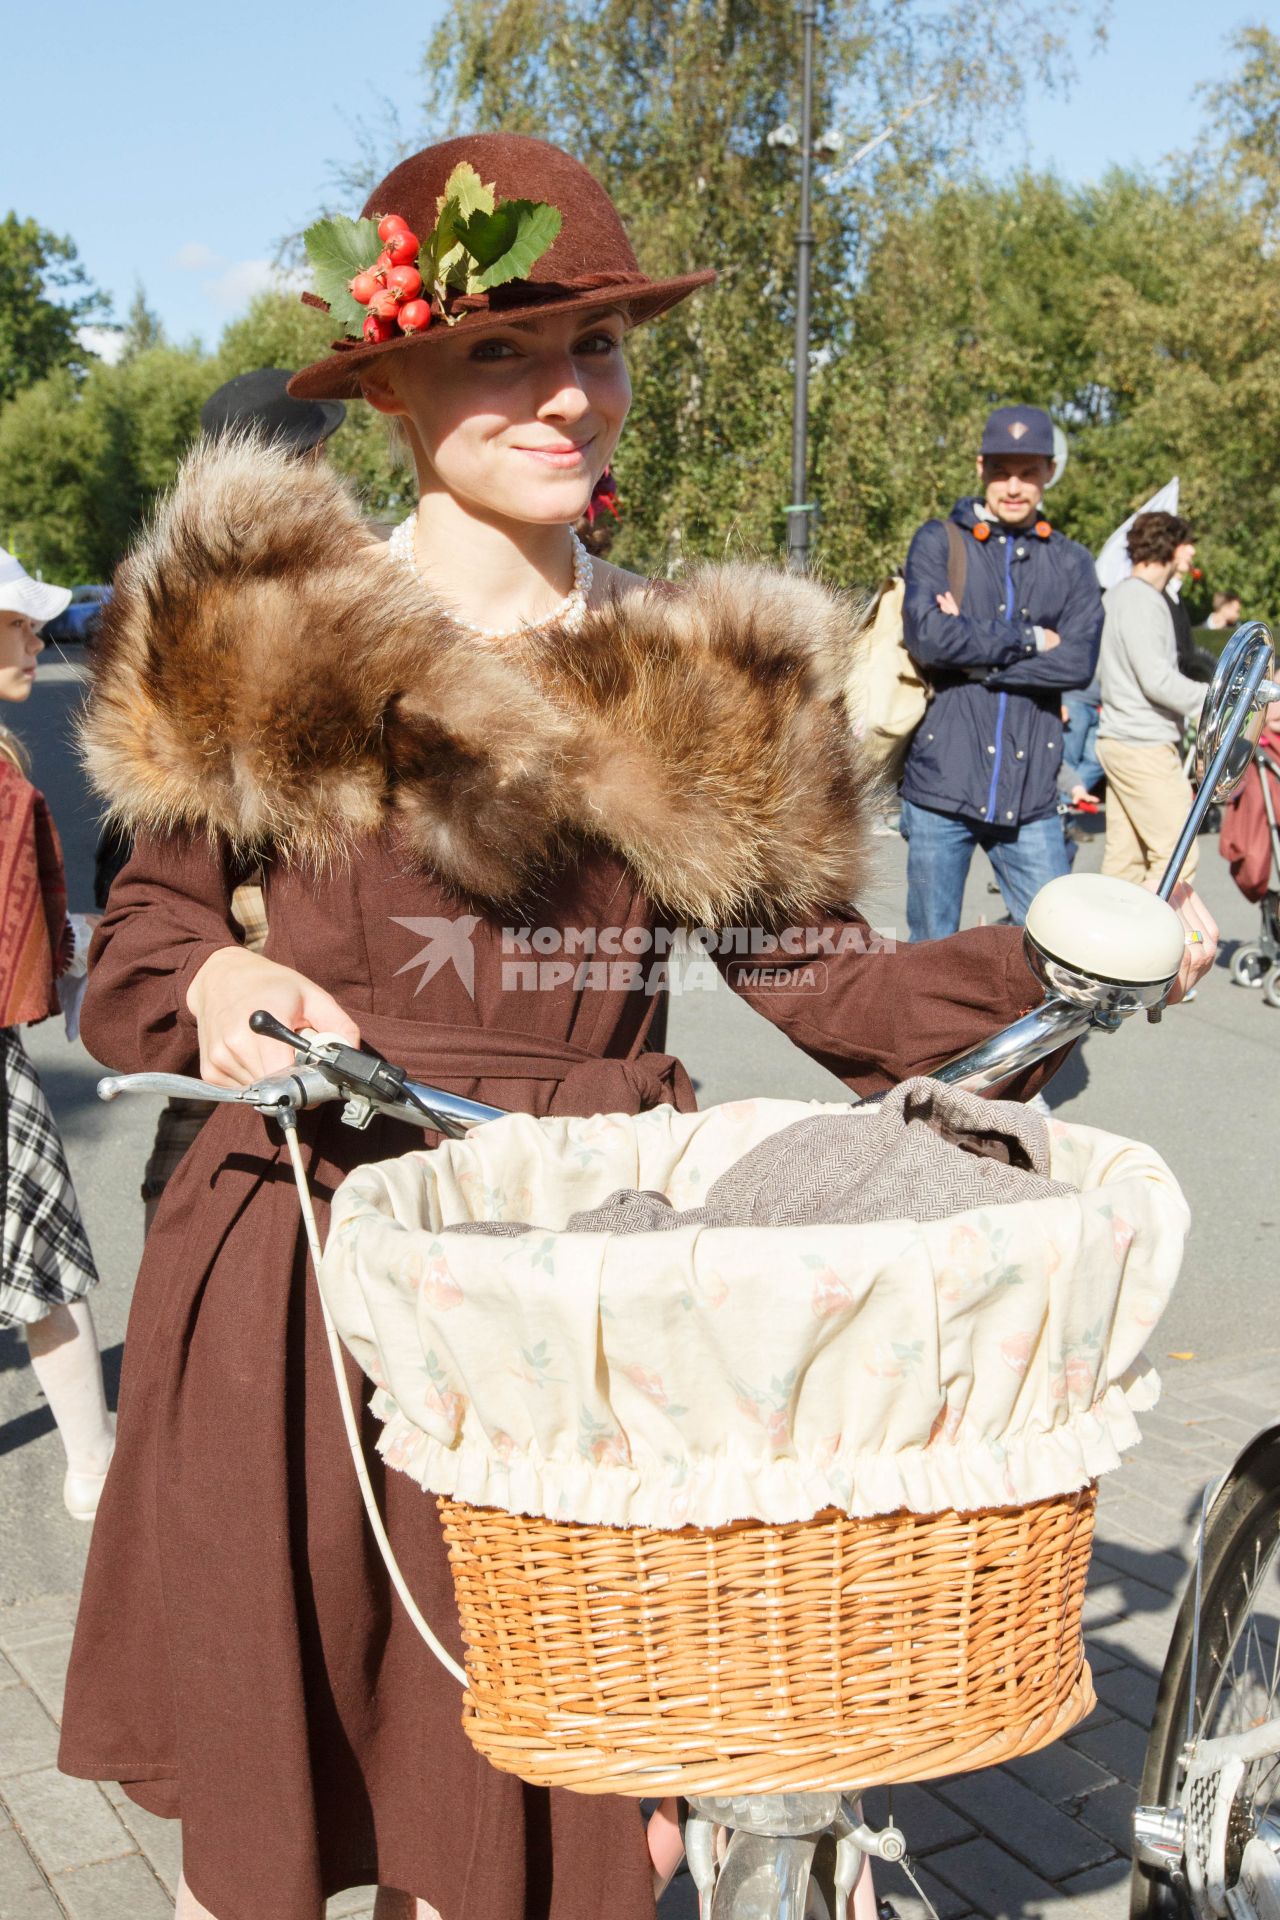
{"x": 442, "y": 259}
{"x": 506, "y": 243}
{"x": 338, "y": 250}
{"x": 466, "y": 187}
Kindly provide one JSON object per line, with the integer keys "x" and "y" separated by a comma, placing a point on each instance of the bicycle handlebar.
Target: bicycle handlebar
{"x": 327, "y": 1069}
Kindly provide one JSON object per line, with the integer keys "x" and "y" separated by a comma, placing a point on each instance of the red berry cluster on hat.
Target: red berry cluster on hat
{"x": 392, "y": 287}
{"x": 478, "y": 242}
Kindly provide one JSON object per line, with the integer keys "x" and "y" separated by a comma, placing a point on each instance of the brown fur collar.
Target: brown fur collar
{"x": 265, "y": 674}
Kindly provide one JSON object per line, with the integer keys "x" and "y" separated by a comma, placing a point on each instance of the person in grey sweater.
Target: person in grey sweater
{"x": 1145, "y": 703}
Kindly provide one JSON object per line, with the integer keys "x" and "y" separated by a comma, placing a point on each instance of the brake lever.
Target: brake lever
{"x": 304, "y": 1087}
{"x": 368, "y": 1083}
{"x": 327, "y": 1069}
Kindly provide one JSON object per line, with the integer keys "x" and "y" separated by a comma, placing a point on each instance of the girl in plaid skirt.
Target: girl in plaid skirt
{"x": 46, "y": 1267}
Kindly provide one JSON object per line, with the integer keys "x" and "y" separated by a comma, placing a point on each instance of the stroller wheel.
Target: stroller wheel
{"x": 1271, "y": 988}
{"x": 1250, "y": 967}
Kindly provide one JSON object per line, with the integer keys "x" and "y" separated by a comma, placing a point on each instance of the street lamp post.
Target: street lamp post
{"x": 800, "y": 509}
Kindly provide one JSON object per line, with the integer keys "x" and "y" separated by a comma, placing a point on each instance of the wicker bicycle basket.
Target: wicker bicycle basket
{"x": 762, "y": 1658}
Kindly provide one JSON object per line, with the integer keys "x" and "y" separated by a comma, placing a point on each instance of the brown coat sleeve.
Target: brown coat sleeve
{"x": 170, "y": 909}
{"x": 874, "y": 1014}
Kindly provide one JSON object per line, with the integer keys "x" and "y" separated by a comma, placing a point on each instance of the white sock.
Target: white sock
{"x": 64, "y": 1354}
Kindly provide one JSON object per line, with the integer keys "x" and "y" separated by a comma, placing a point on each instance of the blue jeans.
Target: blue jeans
{"x": 1079, "y": 755}
{"x": 939, "y": 849}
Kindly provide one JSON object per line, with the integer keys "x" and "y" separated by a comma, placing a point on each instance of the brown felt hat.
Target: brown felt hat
{"x": 590, "y": 263}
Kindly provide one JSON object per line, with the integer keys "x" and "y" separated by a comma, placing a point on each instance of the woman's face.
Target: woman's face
{"x": 521, "y": 423}
{"x": 20, "y": 642}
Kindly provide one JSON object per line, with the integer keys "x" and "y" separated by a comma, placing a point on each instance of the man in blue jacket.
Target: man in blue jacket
{"x": 1004, "y": 614}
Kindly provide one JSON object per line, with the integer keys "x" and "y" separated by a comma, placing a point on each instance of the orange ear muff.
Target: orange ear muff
{"x": 982, "y": 531}
{"x": 1043, "y": 529}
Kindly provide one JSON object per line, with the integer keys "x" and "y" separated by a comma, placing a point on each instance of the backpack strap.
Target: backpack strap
{"x": 957, "y": 562}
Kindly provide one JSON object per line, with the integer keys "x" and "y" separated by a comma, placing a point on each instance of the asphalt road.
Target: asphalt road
{"x": 1198, "y": 1087}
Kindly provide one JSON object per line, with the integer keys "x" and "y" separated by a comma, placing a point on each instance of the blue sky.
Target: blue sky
{"x": 176, "y": 144}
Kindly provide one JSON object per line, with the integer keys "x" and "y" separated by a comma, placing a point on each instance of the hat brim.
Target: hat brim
{"x": 338, "y": 376}
{"x": 39, "y": 601}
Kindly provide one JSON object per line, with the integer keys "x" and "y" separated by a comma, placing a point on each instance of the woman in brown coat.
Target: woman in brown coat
{"x": 485, "y": 780}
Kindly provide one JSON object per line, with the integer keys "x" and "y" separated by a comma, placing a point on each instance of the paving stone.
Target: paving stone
{"x": 1164, "y": 1464}
{"x": 28, "y": 1737}
{"x": 1059, "y": 1774}
{"x": 160, "y": 1840}
{"x": 1027, "y": 1825}
{"x": 1101, "y": 1893}
{"x": 65, "y": 1823}
{"x": 892, "y": 1884}
{"x": 43, "y": 1665}
{"x": 1101, "y": 1657}
{"x": 927, "y": 1820}
{"x": 1121, "y": 1559}
{"x": 1120, "y": 1747}
{"x": 991, "y": 1880}
{"x": 1110, "y": 1813}
{"x": 1184, "y": 1434}
{"x": 1131, "y": 1517}
{"x": 1174, "y": 1497}
{"x": 1143, "y": 1639}
{"x": 114, "y": 1890}
{"x": 51, "y": 1614}
{"x": 1130, "y": 1691}
{"x": 24, "y": 1894}
{"x": 1097, "y": 1717}
{"x": 1238, "y": 1428}
{"x": 9, "y": 1677}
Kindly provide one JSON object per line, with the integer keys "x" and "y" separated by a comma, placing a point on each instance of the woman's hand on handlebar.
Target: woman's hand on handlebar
{"x": 1198, "y": 955}
{"x": 233, "y": 984}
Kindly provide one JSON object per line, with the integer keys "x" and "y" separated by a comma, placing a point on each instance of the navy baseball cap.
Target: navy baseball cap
{"x": 1019, "y": 430}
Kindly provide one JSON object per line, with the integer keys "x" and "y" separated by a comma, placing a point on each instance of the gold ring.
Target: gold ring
{"x": 1195, "y": 939}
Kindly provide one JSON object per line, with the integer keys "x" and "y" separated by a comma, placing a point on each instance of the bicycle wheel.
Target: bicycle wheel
{"x": 1237, "y": 1675}
{"x": 1249, "y": 966}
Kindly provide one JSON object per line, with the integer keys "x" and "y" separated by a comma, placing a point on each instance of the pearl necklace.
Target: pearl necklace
{"x": 570, "y": 614}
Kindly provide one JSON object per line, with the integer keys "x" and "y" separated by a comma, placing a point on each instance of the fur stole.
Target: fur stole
{"x": 265, "y": 674}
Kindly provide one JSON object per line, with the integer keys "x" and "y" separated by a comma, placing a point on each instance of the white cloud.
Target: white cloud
{"x": 229, "y": 285}
{"x": 196, "y": 257}
{"x": 106, "y": 342}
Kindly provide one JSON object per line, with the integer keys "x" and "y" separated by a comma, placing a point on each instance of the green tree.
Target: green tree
{"x": 45, "y": 298}
{"x": 671, "y": 104}
{"x": 82, "y": 462}
{"x": 1245, "y": 123}
{"x": 1146, "y": 316}
{"x": 142, "y": 329}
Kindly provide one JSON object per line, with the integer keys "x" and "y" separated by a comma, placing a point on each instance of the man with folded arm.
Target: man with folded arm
{"x": 982, "y": 768}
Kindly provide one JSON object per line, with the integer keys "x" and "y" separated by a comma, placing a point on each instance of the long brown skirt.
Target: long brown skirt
{"x": 240, "y": 1661}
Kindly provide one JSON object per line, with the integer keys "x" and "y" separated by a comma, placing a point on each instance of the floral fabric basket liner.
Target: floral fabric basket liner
{"x": 699, "y": 1376}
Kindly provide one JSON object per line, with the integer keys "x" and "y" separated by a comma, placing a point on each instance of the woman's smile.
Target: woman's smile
{"x": 568, "y": 453}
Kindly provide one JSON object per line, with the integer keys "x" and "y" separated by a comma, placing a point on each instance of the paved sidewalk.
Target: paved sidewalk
{"x": 1048, "y": 1833}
